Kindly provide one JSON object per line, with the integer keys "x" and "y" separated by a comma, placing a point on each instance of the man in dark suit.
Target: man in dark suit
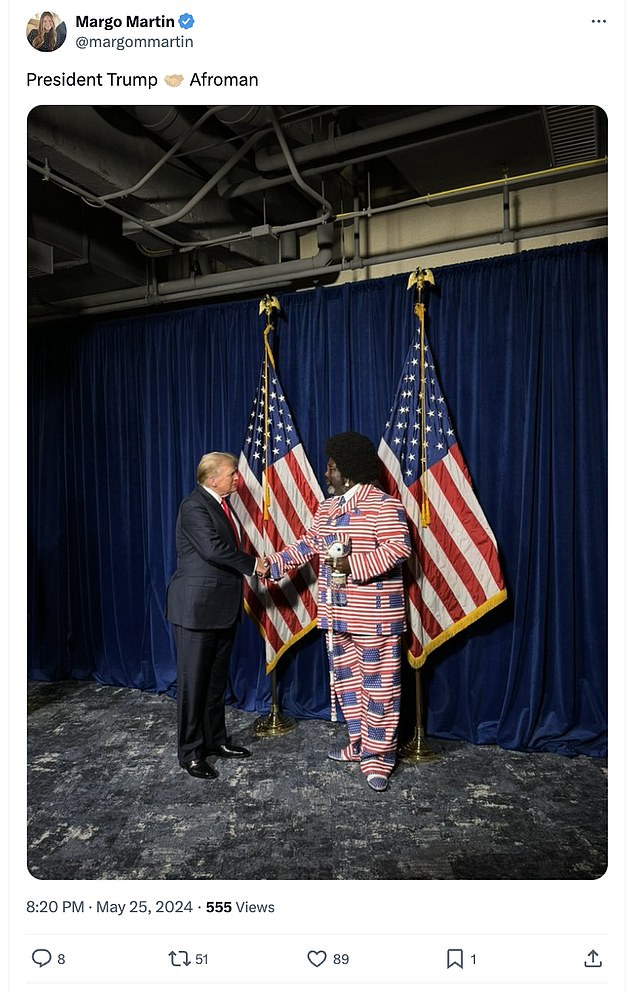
{"x": 204, "y": 602}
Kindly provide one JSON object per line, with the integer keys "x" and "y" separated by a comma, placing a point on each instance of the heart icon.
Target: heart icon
{"x": 317, "y": 957}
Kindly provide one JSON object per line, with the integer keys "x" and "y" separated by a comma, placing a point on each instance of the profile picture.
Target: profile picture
{"x": 46, "y": 31}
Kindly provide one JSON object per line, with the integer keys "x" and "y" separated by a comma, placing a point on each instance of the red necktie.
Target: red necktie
{"x": 229, "y": 515}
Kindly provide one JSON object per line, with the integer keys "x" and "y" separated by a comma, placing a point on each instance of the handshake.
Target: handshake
{"x": 262, "y": 568}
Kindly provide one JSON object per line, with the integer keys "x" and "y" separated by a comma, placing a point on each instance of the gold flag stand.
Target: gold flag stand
{"x": 275, "y": 723}
{"x": 417, "y": 751}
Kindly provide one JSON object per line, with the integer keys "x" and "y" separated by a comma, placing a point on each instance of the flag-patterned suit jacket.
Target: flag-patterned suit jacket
{"x": 373, "y": 601}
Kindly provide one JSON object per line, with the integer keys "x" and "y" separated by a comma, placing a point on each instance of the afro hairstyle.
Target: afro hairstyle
{"x": 355, "y": 456}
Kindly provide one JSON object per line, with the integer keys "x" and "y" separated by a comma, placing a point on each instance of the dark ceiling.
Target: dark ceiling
{"x": 148, "y": 206}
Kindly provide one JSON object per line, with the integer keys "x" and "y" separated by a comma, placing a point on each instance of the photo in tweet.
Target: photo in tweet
{"x": 262, "y": 340}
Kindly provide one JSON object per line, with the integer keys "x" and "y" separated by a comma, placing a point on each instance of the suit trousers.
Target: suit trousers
{"x": 202, "y": 663}
{"x": 367, "y": 683}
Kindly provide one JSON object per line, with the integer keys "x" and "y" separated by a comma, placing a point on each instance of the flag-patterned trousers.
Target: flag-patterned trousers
{"x": 367, "y": 683}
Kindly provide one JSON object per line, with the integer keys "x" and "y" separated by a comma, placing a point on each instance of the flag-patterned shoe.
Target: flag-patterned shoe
{"x": 377, "y": 782}
{"x": 348, "y": 753}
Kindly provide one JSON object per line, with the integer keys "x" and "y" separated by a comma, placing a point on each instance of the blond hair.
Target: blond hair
{"x": 210, "y": 464}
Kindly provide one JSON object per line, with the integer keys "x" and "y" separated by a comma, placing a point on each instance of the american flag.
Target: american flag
{"x": 276, "y": 499}
{"x": 453, "y": 576}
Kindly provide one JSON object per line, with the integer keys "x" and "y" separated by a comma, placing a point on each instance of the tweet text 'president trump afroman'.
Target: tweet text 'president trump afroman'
{"x": 98, "y": 80}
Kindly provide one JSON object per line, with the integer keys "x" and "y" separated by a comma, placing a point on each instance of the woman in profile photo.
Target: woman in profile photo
{"x": 47, "y": 36}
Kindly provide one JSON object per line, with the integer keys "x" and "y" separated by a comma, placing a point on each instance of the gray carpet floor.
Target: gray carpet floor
{"x": 107, "y": 800}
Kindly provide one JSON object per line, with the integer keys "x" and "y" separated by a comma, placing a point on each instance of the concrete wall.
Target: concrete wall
{"x": 423, "y": 225}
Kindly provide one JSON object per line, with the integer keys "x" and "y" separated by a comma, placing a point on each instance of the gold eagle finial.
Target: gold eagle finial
{"x": 420, "y": 277}
{"x": 268, "y": 304}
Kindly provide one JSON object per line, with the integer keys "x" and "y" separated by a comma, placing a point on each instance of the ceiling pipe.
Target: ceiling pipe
{"x": 91, "y": 199}
{"x": 171, "y": 243}
{"x": 474, "y": 190}
{"x": 195, "y": 286}
{"x": 281, "y": 275}
{"x": 137, "y": 223}
{"x": 164, "y": 159}
{"x": 297, "y": 268}
{"x": 299, "y": 181}
{"x": 289, "y": 270}
{"x": 257, "y": 185}
{"x": 241, "y": 119}
{"x": 152, "y": 226}
{"x": 62, "y": 152}
{"x": 266, "y": 162}
{"x": 207, "y": 187}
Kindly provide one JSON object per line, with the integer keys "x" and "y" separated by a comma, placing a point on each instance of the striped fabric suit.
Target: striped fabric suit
{"x": 365, "y": 619}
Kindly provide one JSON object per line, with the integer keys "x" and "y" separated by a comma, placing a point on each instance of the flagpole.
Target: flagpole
{"x": 274, "y": 723}
{"x": 267, "y": 305}
{"x": 416, "y": 750}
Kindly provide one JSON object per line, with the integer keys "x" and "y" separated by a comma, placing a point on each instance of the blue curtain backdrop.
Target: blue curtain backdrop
{"x": 120, "y": 411}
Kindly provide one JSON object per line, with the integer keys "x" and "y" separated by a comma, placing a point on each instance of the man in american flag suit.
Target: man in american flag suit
{"x": 361, "y": 601}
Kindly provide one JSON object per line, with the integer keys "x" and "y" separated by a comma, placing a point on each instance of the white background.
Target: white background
{"x": 529, "y": 933}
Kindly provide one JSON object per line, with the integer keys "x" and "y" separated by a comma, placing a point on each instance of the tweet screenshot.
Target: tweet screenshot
{"x": 316, "y": 568}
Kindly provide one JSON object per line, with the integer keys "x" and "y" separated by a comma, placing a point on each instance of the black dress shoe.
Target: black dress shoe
{"x": 230, "y": 750}
{"x": 199, "y": 769}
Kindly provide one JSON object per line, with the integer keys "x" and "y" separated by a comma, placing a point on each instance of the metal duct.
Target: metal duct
{"x": 573, "y": 133}
{"x": 279, "y": 276}
{"x": 68, "y": 146}
{"x": 365, "y": 138}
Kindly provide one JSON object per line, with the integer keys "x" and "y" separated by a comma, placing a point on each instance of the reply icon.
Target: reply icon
{"x": 41, "y": 957}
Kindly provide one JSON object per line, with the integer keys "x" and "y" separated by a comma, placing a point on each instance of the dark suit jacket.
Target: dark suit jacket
{"x": 205, "y": 591}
